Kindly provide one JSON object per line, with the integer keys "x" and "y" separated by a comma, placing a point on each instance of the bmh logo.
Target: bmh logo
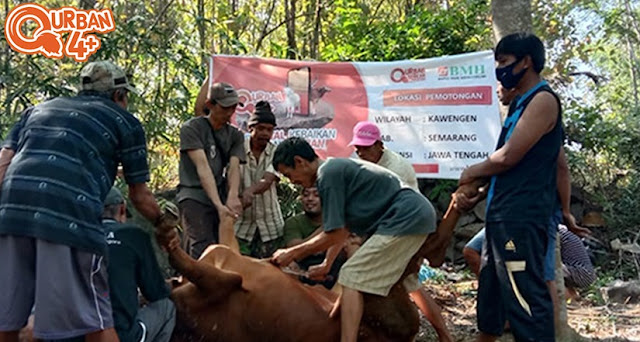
{"x": 461, "y": 72}
{"x": 399, "y": 75}
{"x": 47, "y": 39}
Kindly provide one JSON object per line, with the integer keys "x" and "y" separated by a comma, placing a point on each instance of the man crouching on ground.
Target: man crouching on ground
{"x": 366, "y": 199}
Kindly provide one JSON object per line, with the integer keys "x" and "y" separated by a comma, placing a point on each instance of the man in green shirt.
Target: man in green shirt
{"x": 302, "y": 227}
{"x": 132, "y": 266}
{"x": 365, "y": 199}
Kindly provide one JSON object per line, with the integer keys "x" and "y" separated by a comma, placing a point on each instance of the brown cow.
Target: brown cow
{"x": 229, "y": 297}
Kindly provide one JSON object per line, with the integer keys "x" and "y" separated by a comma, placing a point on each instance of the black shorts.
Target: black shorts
{"x": 511, "y": 282}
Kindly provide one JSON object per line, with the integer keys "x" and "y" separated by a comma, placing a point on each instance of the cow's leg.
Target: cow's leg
{"x": 227, "y": 233}
{"x": 434, "y": 249}
{"x": 202, "y": 274}
{"x": 107, "y": 335}
{"x": 9, "y": 336}
{"x": 350, "y": 314}
{"x": 432, "y": 312}
{"x": 436, "y": 245}
{"x": 482, "y": 337}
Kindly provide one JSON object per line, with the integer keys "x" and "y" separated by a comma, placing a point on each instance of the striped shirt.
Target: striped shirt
{"x": 579, "y": 271}
{"x": 67, "y": 151}
{"x": 264, "y": 213}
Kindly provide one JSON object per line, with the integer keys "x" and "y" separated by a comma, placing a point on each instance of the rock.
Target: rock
{"x": 622, "y": 292}
{"x": 481, "y": 210}
{"x": 443, "y": 201}
{"x": 450, "y": 253}
{"x": 593, "y": 219}
{"x": 458, "y": 247}
{"x": 576, "y": 194}
{"x": 577, "y": 210}
{"x": 468, "y": 231}
{"x": 465, "y": 219}
{"x": 616, "y": 245}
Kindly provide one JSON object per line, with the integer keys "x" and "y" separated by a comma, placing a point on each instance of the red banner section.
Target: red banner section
{"x": 426, "y": 168}
{"x": 455, "y": 96}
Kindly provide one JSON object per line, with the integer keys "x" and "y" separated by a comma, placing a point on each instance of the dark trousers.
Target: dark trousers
{"x": 200, "y": 223}
{"x": 511, "y": 282}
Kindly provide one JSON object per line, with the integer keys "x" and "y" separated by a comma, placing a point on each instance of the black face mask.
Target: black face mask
{"x": 507, "y": 78}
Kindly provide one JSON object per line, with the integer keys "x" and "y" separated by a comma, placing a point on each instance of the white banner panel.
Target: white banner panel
{"x": 439, "y": 113}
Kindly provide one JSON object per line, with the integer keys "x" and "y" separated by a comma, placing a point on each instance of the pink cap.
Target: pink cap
{"x": 365, "y": 133}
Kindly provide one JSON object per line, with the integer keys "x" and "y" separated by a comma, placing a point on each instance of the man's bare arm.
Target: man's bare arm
{"x": 202, "y": 98}
{"x": 564, "y": 182}
{"x": 319, "y": 272}
{"x": 263, "y": 184}
{"x": 233, "y": 198}
{"x": 6, "y": 155}
{"x": 295, "y": 242}
{"x": 207, "y": 180}
{"x": 145, "y": 203}
{"x": 564, "y": 193}
{"x": 537, "y": 120}
{"x": 319, "y": 243}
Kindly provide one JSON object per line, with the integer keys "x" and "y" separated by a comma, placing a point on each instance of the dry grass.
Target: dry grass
{"x": 612, "y": 323}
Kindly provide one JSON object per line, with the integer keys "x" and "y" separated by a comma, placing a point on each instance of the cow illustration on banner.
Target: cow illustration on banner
{"x": 439, "y": 113}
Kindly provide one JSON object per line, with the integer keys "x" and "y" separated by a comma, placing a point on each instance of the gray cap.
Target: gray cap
{"x": 114, "y": 197}
{"x": 224, "y": 94}
{"x": 104, "y": 76}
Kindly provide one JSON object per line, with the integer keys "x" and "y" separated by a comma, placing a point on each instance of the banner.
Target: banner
{"x": 441, "y": 114}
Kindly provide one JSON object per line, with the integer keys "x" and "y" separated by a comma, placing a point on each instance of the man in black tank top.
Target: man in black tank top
{"x": 522, "y": 194}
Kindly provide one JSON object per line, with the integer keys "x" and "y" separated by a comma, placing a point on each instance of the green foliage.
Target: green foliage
{"x": 593, "y": 293}
{"x": 288, "y": 195}
{"x": 164, "y": 44}
{"x": 422, "y": 33}
{"x": 601, "y": 118}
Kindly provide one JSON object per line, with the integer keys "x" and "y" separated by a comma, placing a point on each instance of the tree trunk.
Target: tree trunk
{"x": 265, "y": 29}
{"x": 290, "y": 12}
{"x": 315, "y": 39}
{"x": 201, "y": 30}
{"x": 510, "y": 16}
{"x": 564, "y": 333}
{"x": 87, "y": 4}
{"x": 7, "y": 49}
{"x": 4, "y": 81}
{"x": 632, "y": 57}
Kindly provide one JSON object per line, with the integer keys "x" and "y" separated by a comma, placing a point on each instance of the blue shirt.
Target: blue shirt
{"x": 527, "y": 191}
{"x": 67, "y": 151}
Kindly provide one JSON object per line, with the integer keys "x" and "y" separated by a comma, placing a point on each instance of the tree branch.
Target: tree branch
{"x": 162, "y": 13}
{"x": 286, "y": 21}
{"x": 375, "y": 12}
{"x": 595, "y": 78}
{"x": 263, "y": 33}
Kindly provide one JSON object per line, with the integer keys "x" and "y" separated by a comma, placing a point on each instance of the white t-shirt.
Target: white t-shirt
{"x": 400, "y": 166}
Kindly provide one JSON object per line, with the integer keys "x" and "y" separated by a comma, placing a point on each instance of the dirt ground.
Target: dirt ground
{"x": 611, "y": 323}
